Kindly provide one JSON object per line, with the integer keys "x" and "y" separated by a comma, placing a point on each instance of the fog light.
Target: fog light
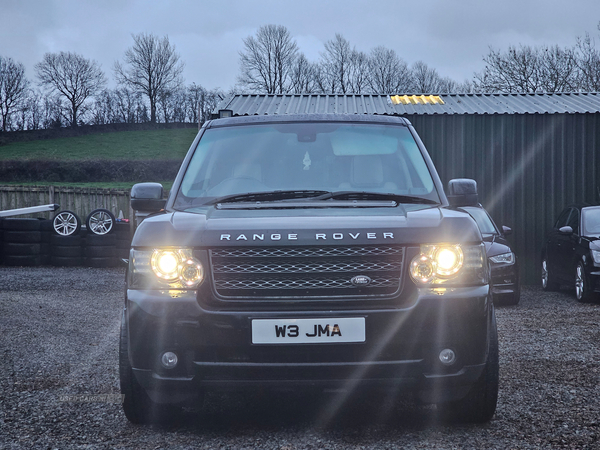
{"x": 169, "y": 360}
{"x": 447, "y": 356}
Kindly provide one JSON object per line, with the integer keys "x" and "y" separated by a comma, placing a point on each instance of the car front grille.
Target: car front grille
{"x": 306, "y": 272}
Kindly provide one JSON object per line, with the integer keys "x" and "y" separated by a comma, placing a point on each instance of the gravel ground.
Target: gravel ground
{"x": 59, "y": 382}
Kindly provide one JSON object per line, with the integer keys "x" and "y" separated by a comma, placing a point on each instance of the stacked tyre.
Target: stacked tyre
{"x": 46, "y": 231}
{"x": 22, "y": 243}
{"x": 123, "y": 232}
{"x": 100, "y": 240}
{"x": 66, "y": 241}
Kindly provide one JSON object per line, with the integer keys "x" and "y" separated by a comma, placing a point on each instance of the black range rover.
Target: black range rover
{"x": 308, "y": 251}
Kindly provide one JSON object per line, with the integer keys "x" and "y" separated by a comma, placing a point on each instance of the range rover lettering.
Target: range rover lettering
{"x": 308, "y": 251}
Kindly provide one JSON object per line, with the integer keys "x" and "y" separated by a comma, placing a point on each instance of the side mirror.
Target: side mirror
{"x": 462, "y": 192}
{"x": 506, "y": 231}
{"x": 565, "y": 230}
{"x": 147, "y": 197}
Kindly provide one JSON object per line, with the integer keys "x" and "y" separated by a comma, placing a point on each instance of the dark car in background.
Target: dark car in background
{"x": 506, "y": 285}
{"x": 571, "y": 252}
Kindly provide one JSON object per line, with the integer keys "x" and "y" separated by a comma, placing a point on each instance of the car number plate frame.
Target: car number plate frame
{"x": 309, "y": 331}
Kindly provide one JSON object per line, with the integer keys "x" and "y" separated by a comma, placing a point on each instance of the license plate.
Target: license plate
{"x": 308, "y": 331}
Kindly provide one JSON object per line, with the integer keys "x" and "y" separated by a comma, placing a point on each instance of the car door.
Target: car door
{"x": 554, "y": 242}
{"x": 566, "y": 247}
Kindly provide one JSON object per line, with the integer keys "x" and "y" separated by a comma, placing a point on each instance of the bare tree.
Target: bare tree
{"x": 13, "y": 89}
{"x": 195, "y": 93}
{"x": 334, "y": 71}
{"x": 267, "y": 60}
{"x": 588, "y": 64}
{"x": 529, "y": 69}
{"x": 389, "y": 74}
{"x": 34, "y": 110}
{"x": 558, "y": 69}
{"x": 303, "y": 78}
{"x": 152, "y": 67}
{"x": 52, "y": 112}
{"x": 208, "y": 103}
{"x": 73, "y": 77}
{"x": 426, "y": 80}
{"x": 358, "y": 73}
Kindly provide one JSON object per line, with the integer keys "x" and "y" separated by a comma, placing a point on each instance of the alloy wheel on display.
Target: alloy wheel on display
{"x": 66, "y": 223}
{"x": 100, "y": 221}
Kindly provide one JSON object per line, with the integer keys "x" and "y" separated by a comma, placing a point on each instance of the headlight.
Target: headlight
{"x": 596, "y": 256}
{"x": 504, "y": 258}
{"x": 173, "y": 268}
{"x": 446, "y": 263}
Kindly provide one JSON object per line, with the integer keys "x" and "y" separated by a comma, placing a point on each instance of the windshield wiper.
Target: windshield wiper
{"x": 363, "y": 195}
{"x": 268, "y": 196}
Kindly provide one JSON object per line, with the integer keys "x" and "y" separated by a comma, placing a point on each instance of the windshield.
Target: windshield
{"x": 485, "y": 224}
{"x": 311, "y": 157}
{"x": 590, "y": 220}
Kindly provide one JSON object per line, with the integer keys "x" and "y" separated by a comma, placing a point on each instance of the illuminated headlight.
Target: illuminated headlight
{"x": 437, "y": 264}
{"x": 596, "y": 256}
{"x": 504, "y": 258}
{"x": 165, "y": 264}
{"x": 174, "y": 268}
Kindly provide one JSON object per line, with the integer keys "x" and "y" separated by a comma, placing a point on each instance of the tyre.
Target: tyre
{"x": 19, "y": 224}
{"x": 123, "y": 230}
{"x": 100, "y": 221}
{"x": 11, "y": 248}
{"x": 66, "y": 223}
{"x": 137, "y": 406}
{"x": 66, "y": 241}
{"x": 45, "y": 224}
{"x": 122, "y": 253}
{"x": 479, "y": 405}
{"x": 66, "y": 251}
{"x": 23, "y": 237}
{"x": 583, "y": 289}
{"x": 95, "y": 240}
{"x": 100, "y": 251}
{"x": 548, "y": 283}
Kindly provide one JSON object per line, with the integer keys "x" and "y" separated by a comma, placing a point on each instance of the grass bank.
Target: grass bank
{"x": 123, "y": 145}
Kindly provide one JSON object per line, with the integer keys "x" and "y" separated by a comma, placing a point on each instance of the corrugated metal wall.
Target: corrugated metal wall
{"x": 528, "y": 167}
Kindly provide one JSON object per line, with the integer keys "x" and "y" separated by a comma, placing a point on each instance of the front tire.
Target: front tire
{"x": 548, "y": 283}
{"x": 583, "y": 290}
{"x": 479, "y": 405}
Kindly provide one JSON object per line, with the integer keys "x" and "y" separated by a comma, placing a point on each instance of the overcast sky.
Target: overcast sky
{"x": 451, "y": 36}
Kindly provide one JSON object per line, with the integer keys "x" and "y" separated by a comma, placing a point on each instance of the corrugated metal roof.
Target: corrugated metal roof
{"x": 566, "y": 103}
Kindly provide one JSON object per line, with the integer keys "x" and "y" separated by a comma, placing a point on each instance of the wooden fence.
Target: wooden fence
{"x": 81, "y": 201}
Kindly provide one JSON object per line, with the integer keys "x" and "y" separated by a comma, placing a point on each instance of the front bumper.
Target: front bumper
{"x": 401, "y": 349}
{"x": 505, "y": 280}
